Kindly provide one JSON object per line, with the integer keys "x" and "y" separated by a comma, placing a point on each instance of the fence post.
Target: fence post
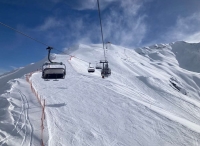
{"x": 44, "y": 109}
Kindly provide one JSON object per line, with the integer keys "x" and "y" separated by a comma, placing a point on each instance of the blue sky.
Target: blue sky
{"x": 63, "y": 23}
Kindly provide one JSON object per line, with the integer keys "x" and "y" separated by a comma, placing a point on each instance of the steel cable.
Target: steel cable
{"x": 101, "y": 28}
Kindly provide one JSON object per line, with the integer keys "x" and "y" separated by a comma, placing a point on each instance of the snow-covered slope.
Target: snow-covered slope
{"x": 19, "y": 109}
{"x": 151, "y": 98}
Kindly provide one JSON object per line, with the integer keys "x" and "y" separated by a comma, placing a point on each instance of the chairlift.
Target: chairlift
{"x": 91, "y": 69}
{"x": 106, "y": 71}
{"x": 98, "y": 66}
{"x": 108, "y": 45}
{"x": 53, "y": 70}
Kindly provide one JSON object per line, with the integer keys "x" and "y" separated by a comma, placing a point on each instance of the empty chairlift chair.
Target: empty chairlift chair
{"x": 53, "y": 70}
{"x": 98, "y": 66}
{"x": 91, "y": 69}
{"x": 106, "y": 71}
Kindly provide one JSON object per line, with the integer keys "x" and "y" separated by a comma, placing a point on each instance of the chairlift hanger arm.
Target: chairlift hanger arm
{"x": 49, "y": 51}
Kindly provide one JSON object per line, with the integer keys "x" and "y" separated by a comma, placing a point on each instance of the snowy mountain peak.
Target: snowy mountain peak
{"x": 183, "y": 54}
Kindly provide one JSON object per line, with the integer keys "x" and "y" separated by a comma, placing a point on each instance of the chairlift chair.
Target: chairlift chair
{"x": 91, "y": 69}
{"x": 106, "y": 71}
{"x": 53, "y": 70}
{"x": 98, "y": 66}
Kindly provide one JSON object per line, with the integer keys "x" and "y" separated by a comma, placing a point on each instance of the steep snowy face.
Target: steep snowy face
{"x": 187, "y": 55}
{"x": 161, "y": 52}
{"x": 179, "y": 62}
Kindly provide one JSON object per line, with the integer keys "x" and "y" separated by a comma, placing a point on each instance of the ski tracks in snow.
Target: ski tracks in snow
{"x": 152, "y": 106}
{"x": 155, "y": 107}
{"x": 23, "y": 113}
{"x": 26, "y": 126}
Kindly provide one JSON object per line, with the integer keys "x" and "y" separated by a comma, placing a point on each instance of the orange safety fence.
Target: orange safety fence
{"x": 70, "y": 60}
{"x": 41, "y": 102}
{"x": 71, "y": 57}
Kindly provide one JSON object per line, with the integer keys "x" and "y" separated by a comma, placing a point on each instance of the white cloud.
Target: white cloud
{"x": 49, "y": 23}
{"x": 122, "y": 25}
{"x": 194, "y": 38}
{"x": 130, "y": 7}
{"x": 185, "y": 29}
{"x": 125, "y": 27}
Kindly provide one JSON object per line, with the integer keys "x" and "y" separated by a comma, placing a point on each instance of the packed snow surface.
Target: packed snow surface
{"x": 152, "y": 98}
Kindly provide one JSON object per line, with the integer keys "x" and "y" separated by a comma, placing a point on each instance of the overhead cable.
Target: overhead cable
{"x": 71, "y": 55}
{"x": 23, "y": 34}
{"x": 38, "y": 40}
{"x": 101, "y": 28}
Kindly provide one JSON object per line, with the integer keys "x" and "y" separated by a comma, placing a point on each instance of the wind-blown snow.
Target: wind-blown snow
{"x": 151, "y": 98}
